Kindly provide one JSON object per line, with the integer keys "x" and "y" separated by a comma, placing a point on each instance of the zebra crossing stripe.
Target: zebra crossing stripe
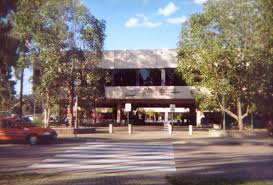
{"x": 109, "y": 161}
{"x": 103, "y": 156}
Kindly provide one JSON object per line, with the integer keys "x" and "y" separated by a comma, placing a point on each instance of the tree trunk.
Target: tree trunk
{"x": 46, "y": 117}
{"x": 47, "y": 112}
{"x": 21, "y": 93}
{"x": 240, "y": 117}
{"x": 70, "y": 106}
{"x": 60, "y": 113}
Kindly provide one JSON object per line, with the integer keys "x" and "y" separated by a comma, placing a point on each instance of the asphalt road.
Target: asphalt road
{"x": 148, "y": 152}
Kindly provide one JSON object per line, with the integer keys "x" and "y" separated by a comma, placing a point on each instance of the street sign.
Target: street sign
{"x": 128, "y": 107}
{"x": 172, "y": 107}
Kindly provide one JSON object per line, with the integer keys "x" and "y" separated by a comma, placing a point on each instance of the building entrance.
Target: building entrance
{"x": 149, "y": 114}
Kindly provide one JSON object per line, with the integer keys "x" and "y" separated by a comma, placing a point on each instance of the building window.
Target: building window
{"x": 149, "y": 77}
{"x": 124, "y": 77}
{"x": 173, "y": 78}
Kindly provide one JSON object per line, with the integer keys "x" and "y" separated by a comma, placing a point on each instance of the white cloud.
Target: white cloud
{"x": 168, "y": 10}
{"x": 132, "y": 22}
{"x": 200, "y": 1}
{"x": 141, "y": 20}
{"x": 176, "y": 20}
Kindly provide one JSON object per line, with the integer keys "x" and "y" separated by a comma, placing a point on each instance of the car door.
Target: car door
{"x": 3, "y": 130}
{"x": 15, "y": 131}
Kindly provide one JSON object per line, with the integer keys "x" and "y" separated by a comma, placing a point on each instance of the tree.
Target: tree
{"x": 8, "y": 55}
{"x": 265, "y": 25}
{"x": 63, "y": 36}
{"x": 222, "y": 54}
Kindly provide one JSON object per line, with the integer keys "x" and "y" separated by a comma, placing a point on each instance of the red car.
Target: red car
{"x": 20, "y": 130}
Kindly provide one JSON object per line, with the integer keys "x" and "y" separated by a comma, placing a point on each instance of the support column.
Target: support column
{"x": 166, "y": 116}
{"x": 166, "y": 120}
{"x": 113, "y": 77}
{"x": 118, "y": 112}
{"x": 163, "y": 77}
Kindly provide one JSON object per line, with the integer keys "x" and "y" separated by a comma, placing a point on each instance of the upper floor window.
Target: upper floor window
{"x": 124, "y": 77}
{"x": 173, "y": 78}
{"x": 149, "y": 77}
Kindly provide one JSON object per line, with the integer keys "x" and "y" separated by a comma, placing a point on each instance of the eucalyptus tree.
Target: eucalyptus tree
{"x": 66, "y": 43}
{"x": 8, "y": 57}
{"x": 222, "y": 54}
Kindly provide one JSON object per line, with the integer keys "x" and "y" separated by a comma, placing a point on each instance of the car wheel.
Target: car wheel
{"x": 54, "y": 138}
{"x": 33, "y": 140}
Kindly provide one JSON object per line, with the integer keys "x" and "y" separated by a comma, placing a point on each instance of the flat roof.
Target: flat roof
{"x": 141, "y": 58}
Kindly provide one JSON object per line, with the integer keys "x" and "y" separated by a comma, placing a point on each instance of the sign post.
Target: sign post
{"x": 128, "y": 108}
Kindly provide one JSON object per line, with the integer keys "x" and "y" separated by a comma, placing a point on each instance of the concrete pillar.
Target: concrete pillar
{"x": 163, "y": 77}
{"x": 166, "y": 120}
{"x": 118, "y": 112}
{"x": 166, "y": 117}
{"x": 170, "y": 129}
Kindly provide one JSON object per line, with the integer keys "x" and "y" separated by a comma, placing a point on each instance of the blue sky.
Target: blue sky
{"x": 143, "y": 24}
{"x": 138, "y": 24}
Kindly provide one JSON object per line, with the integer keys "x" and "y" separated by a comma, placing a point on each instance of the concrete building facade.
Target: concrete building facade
{"x": 145, "y": 78}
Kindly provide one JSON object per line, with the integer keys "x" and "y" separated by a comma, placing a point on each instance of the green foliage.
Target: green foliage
{"x": 149, "y": 112}
{"x": 55, "y": 109}
{"x": 65, "y": 42}
{"x": 8, "y": 55}
{"x": 225, "y": 52}
{"x": 38, "y": 121}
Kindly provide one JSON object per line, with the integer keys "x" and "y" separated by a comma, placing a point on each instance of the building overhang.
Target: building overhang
{"x": 148, "y": 92}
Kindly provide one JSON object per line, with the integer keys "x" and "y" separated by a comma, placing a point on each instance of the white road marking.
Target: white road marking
{"x": 108, "y": 156}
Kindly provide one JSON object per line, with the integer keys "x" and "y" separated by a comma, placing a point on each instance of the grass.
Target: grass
{"x": 18, "y": 178}
{"x": 201, "y": 180}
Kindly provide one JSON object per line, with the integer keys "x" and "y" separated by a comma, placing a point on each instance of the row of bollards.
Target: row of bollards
{"x": 170, "y": 129}
{"x": 130, "y": 129}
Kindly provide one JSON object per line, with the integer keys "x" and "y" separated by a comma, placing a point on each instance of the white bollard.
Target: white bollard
{"x": 130, "y": 129}
{"x": 190, "y": 129}
{"x": 110, "y": 128}
{"x": 170, "y": 129}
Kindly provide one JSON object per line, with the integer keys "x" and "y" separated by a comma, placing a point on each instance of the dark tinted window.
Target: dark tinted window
{"x": 173, "y": 78}
{"x": 149, "y": 77}
{"x": 124, "y": 77}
